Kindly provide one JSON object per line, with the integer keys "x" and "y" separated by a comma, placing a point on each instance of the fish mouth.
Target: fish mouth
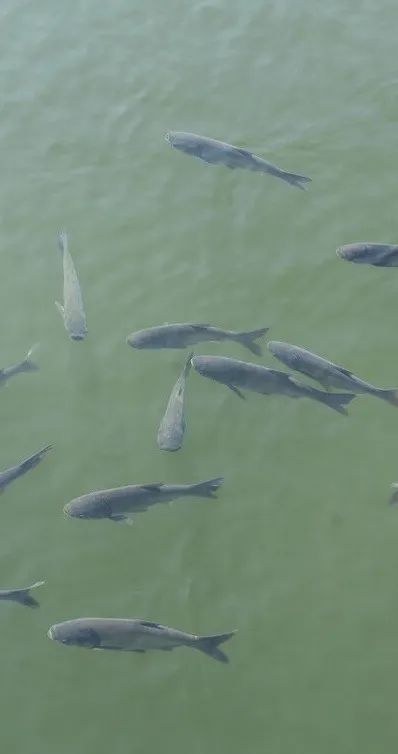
{"x": 50, "y": 633}
{"x": 78, "y": 337}
{"x": 340, "y": 251}
{"x": 167, "y": 137}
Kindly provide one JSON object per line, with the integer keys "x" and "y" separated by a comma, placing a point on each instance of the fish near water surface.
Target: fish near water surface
{"x": 217, "y": 152}
{"x": 22, "y": 596}
{"x": 133, "y": 635}
{"x": 120, "y": 503}
{"x": 72, "y": 311}
{"x": 188, "y": 334}
{"x": 375, "y": 254}
{"x": 328, "y": 374}
{"x": 172, "y": 426}
{"x": 26, "y": 365}
{"x": 241, "y": 375}
{"x": 9, "y": 475}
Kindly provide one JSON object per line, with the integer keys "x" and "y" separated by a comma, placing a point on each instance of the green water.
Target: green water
{"x": 299, "y": 553}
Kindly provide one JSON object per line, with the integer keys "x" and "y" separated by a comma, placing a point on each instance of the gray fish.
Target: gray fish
{"x": 183, "y": 335}
{"x": 172, "y": 426}
{"x": 394, "y": 494}
{"x": 8, "y": 476}
{"x": 376, "y": 254}
{"x": 26, "y": 365}
{"x": 133, "y": 635}
{"x": 219, "y": 153}
{"x": 119, "y": 504}
{"x": 240, "y": 375}
{"x": 328, "y": 374}
{"x": 72, "y": 312}
{"x": 21, "y": 595}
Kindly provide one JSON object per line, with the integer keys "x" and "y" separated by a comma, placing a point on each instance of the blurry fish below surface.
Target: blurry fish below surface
{"x": 181, "y": 335}
{"x": 133, "y": 635}
{"x": 375, "y": 254}
{"x": 217, "y": 152}
{"x": 26, "y": 365}
{"x": 22, "y": 596}
{"x": 72, "y": 310}
{"x": 172, "y": 426}
{"x": 9, "y": 475}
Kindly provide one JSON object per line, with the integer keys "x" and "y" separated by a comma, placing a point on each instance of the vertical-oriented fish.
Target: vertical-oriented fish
{"x": 26, "y": 365}
{"x": 172, "y": 426}
{"x": 72, "y": 311}
{"x": 9, "y": 475}
{"x": 21, "y": 595}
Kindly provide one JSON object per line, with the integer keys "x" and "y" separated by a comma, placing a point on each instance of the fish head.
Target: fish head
{"x": 184, "y": 141}
{"x": 74, "y": 633}
{"x": 88, "y": 506}
{"x": 277, "y": 348}
{"x": 357, "y": 252}
{"x": 218, "y": 368}
{"x": 150, "y": 338}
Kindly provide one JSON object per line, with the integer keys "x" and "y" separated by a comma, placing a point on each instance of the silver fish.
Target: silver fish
{"x": 21, "y": 595}
{"x": 8, "y": 476}
{"x": 328, "y": 374}
{"x": 133, "y": 635}
{"x": 394, "y": 493}
{"x": 172, "y": 426}
{"x": 26, "y": 365}
{"x": 241, "y": 375}
{"x": 219, "y": 153}
{"x": 120, "y": 503}
{"x": 376, "y": 254}
{"x": 188, "y": 334}
{"x": 72, "y": 311}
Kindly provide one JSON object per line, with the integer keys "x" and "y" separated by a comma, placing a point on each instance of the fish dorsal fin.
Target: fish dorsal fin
{"x": 199, "y": 325}
{"x": 345, "y": 371}
{"x": 244, "y": 152}
{"x": 150, "y": 624}
{"x": 152, "y": 487}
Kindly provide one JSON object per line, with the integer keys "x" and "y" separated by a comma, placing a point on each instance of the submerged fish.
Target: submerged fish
{"x": 394, "y": 493}
{"x": 133, "y": 635}
{"x": 21, "y": 595}
{"x": 376, "y": 254}
{"x": 328, "y": 374}
{"x": 240, "y": 375}
{"x": 9, "y": 475}
{"x": 219, "y": 153}
{"x": 120, "y": 503}
{"x": 26, "y": 365}
{"x": 72, "y": 311}
{"x": 183, "y": 335}
{"x": 172, "y": 426}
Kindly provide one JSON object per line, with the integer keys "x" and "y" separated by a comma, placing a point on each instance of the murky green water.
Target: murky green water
{"x": 300, "y": 550}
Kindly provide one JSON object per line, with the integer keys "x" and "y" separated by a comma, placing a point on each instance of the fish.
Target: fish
{"x": 189, "y": 334}
{"x": 72, "y": 311}
{"x": 22, "y": 596}
{"x": 241, "y": 375}
{"x": 328, "y": 374}
{"x": 120, "y": 503}
{"x": 9, "y": 475}
{"x": 26, "y": 365}
{"x": 133, "y": 635}
{"x": 394, "y": 493}
{"x": 172, "y": 426}
{"x": 376, "y": 254}
{"x": 220, "y": 153}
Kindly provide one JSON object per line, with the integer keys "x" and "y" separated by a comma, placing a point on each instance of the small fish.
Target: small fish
{"x": 8, "y": 476}
{"x": 241, "y": 375}
{"x": 120, "y": 503}
{"x": 376, "y": 254}
{"x": 328, "y": 374}
{"x": 219, "y": 153}
{"x": 21, "y": 595}
{"x": 133, "y": 635}
{"x": 26, "y": 365}
{"x": 172, "y": 426}
{"x": 72, "y": 312}
{"x": 183, "y": 335}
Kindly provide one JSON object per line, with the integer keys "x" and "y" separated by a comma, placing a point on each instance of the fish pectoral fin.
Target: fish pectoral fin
{"x": 152, "y": 487}
{"x": 167, "y": 649}
{"x": 345, "y": 371}
{"x": 122, "y": 519}
{"x": 236, "y": 390}
{"x": 60, "y": 308}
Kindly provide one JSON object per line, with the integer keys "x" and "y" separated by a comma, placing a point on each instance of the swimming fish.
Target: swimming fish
{"x": 172, "y": 426}
{"x": 120, "y": 503}
{"x": 328, "y": 374}
{"x": 21, "y": 595}
{"x": 376, "y": 254}
{"x": 9, "y": 475}
{"x": 241, "y": 375}
{"x": 219, "y": 153}
{"x": 183, "y": 335}
{"x": 133, "y": 635}
{"x": 72, "y": 311}
{"x": 26, "y": 365}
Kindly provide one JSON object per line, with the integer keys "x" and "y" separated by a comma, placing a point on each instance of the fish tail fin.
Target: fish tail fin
{"x": 32, "y": 461}
{"x": 208, "y": 488}
{"x": 296, "y": 180}
{"x": 337, "y": 401}
{"x": 24, "y": 596}
{"x": 248, "y": 339}
{"x": 210, "y": 645}
{"x": 391, "y": 396}
{"x": 62, "y": 241}
{"x": 28, "y": 364}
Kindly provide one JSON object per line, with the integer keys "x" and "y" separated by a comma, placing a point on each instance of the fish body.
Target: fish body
{"x": 217, "y": 152}
{"x": 26, "y": 365}
{"x": 22, "y": 596}
{"x": 327, "y": 373}
{"x": 376, "y": 254}
{"x": 189, "y": 334}
{"x": 172, "y": 426}
{"x": 72, "y": 310}
{"x": 241, "y": 375}
{"x": 9, "y": 475}
{"x": 120, "y": 503}
{"x": 133, "y": 635}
